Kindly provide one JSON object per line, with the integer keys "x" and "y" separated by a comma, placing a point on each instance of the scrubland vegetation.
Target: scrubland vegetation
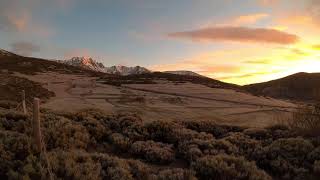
{"x": 92, "y": 145}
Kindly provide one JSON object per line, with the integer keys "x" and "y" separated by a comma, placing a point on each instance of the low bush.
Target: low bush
{"x": 196, "y": 148}
{"x": 174, "y": 174}
{"x": 153, "y": 152}
{"x": 212, "y": 127}
{"x": 285, "y": 158}
{"x": 74, "y": 165}
{"x": 306, "y": 121}
{"x": 227, "y": 168}
{"x": 65, "y": 134}
{"x": 246, "y": 146}
{"x": 120, "y": 142}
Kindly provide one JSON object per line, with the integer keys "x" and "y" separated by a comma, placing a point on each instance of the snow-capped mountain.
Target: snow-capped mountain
{"x": 186, "y": 73}
{"x": 89, "y": 63}
{"x": 124, "y": 70}
{"x": 85, "y": 62}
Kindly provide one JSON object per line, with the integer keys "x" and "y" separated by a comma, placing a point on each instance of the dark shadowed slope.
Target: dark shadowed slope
{"x": 149, "y": 78}
{"x": 300, "y": 86}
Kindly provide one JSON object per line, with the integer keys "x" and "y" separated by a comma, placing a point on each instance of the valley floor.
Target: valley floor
{"x": 162, "y": 101}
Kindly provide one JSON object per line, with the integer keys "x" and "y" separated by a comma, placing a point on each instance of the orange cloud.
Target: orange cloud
{"x": 249, "y": 19}
{"x": 238, "y": 34}
{"x": 268, "y": 2}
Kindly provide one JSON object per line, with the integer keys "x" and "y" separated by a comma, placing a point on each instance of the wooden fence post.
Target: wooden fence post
{"x": 36, "y": 124}
{"x": 24, "y": 102}
{"x": 49, "y": 86}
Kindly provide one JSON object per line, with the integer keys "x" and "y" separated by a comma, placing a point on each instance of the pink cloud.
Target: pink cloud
{"x": 238, "y": 34}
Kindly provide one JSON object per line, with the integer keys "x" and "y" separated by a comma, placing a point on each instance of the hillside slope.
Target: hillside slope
{"x": 28, "y": 65}
{"x": 300, "y": 86}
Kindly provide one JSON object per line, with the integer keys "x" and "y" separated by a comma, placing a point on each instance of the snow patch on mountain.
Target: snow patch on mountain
{"x": 124, "y": 70}
{"x": 89, "y": 63}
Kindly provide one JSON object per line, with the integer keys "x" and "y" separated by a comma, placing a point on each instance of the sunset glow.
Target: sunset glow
{"x": 238, "y": 42}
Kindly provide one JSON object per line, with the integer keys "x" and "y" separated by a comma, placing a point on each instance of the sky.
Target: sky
{"x": 235, "y": 41}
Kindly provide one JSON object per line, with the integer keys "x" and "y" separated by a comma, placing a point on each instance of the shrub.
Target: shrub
{"x": 153, "y": 152}
{"x": 257, "y": 133}
{"x": 64, "y": 133}
{"x": 113, "y": 168}
{"x": 285, "y": 158}
{"x": 314, "y": 155}
{"x": 245, "y": 145}
{"x": 14, "y": 121}
{"x": 192, "y": 150}
{"x": 161, "y": 130}
{"x": 8, "y": 104}
{"x": 14, "y": 150}
{"x": 212, "y": 127}
{"x": 121, "y": 142}
{"x": 74, "y": 165}
{"x": 174, "y": 174}
{"x": 306, "y": 121}
{"x": 227, "y": 168}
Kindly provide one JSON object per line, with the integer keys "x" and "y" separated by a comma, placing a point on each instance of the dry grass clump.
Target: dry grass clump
{"x": 153, "y": 152}
{"x": 228, "y": 168}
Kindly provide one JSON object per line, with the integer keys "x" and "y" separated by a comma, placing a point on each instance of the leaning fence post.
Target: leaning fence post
{"x": 36, "y": 123}
{"x": 24, "y": 102}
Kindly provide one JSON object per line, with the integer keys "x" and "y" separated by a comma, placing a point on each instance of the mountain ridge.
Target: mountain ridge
{"x": 300, "y": 86}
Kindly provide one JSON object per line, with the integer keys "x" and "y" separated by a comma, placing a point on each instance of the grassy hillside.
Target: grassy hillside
{"x": 301, "y": 86}
{"x": 93, "y": 145}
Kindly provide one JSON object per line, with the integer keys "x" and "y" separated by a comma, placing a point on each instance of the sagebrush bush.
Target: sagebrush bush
{"x": 14, "y": 121}
{"x": 246, "y": 146}
{"x": 227, "y": 168}
{"x": 285, "y": 158}
{"x": 65, "y": 134}
{"x": 74, "y": 165}
{"x": 314, "y": 155}
{"x": 14, "y": 151}
{"x": 174, "y": 174}
{"x": 120, "y": 142}
{"x": 89, "y": 144}
{"x": 153, "y": 151}
{"x": 192, "y": 150}
{"x": 306, "y": 120}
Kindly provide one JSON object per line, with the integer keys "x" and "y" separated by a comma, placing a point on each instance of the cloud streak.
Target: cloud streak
{"x": 237, "y": 34}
